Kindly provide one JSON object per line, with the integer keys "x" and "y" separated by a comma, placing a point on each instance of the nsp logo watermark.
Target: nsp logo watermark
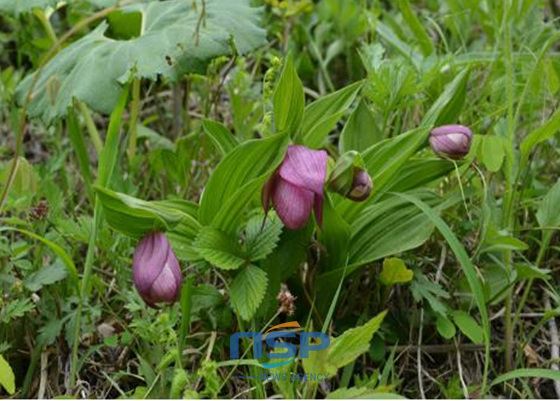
{"x": 305, "y": 346}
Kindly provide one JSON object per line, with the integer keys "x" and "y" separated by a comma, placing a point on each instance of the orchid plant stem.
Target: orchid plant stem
{"x": 107, "y": 162}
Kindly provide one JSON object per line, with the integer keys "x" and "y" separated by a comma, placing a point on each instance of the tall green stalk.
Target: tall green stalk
{"x": 107, "y": 162}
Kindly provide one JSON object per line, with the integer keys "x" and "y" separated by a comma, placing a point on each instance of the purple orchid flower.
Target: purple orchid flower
{"x": 296, "y": 187}
{"x": 451, "y": 141}
{"x": 156, "y": 271}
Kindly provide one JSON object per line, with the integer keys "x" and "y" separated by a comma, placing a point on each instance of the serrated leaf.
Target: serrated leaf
{"x": 394, "y": 271}
{"x": 322, "y": 115}
{"x": 259, "y": 242}
{"x": 288, "y": 100}
{"x": 16, "y": 308}
{"x": 49, "y": 332}
{"x": 247, "y": 291}
{"x": 176, "y": 38}
{"x": 468, "y": 326}
{"x": 219, "y": 249}
{"x": 46, "y": 275}
{"x": 7, "y": 378}
{"x": 445, "y": 327}
{"x": 422, "y": 288}
{"x": 344, "y": 348}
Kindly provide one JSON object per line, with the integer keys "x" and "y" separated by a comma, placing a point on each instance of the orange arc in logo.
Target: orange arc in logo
{"x": 287, "y": 324}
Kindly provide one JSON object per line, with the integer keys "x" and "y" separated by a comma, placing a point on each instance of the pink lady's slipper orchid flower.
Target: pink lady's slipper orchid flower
{"x": 156, "y": 271}
{"x": 297, "y": 187}
{"x": 451, "y": 141}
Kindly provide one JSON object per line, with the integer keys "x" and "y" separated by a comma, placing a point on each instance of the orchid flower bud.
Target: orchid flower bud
{"x": 156, "y": 271}
{"x": 350, "y": 179}
{"x": 361, "y": 187}
{"x": 451, "y": 141}
{"x": 296, "y": 188}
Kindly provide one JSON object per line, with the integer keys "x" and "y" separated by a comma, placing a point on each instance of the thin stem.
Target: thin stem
{"x": 46, "y": 23}
{"x": 134, "y": 113}
{"x": 90, "y": 126}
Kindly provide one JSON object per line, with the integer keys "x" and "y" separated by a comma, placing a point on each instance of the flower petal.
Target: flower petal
{"x": 305, "y": 168}
{"x": 267, "y": 191}
{"x": 165, "y": 287}
{"x": 150, "y": 257}
{"x": 292, "y": 204}
{"x": 318, "y": 209}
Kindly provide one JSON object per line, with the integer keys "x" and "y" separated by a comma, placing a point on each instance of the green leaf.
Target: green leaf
{"x": 24, "y": 184}
{"x": 449, "y": 104}
{"x": 247, "y": 291}
{"x": 322, "y": 115}
{"x": 387, "y": 228}
{"x": 49, "y": 332}
{"x": 16, "y": 308}
{"x": 335, "y": 236}
{"x": 360, "y": 131}
{"x": 219, "y": 249}
{"x": 224, "y": 140}
{"x": 7, "y": 378}
{"x": 362, "y": 393}
{"x": 261, "y": 240}
{"x": 528, "y": 373}
{"x": 445, "y": 327}
{"x": 61, "y": 253}
{"x": 175, "y": 39}
{"x": 422, "y": 288}
{"x": 548, "y": 214}
{"x": 16, "y": 7}
{"x": 135, "y": 217}
{"x": 416, "y": 26}
{"x": 288, "y": 100}
{"x": 46, "y": 275}
{"x": 344, "y": 349}
{"x": 238, "y": 178}
{"x": 417, "y": 173}
{"x": 544, "y": 132}
{"x": 492, "y": 152}
{"x": 468, "y": 326}
{"x": 395, "y": 272}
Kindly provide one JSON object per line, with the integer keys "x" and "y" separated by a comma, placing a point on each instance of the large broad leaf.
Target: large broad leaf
{"x": 361, "y": 131}
{"x": 247, "y": 291}
{"x": 237, "y": 179}
{"x": 322, "y": 115}
{"x": 289, "y": 100}
{"x": 175, "y": 38}
{"x": 16, "y": 7}
{"x": 135, "y": 217}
